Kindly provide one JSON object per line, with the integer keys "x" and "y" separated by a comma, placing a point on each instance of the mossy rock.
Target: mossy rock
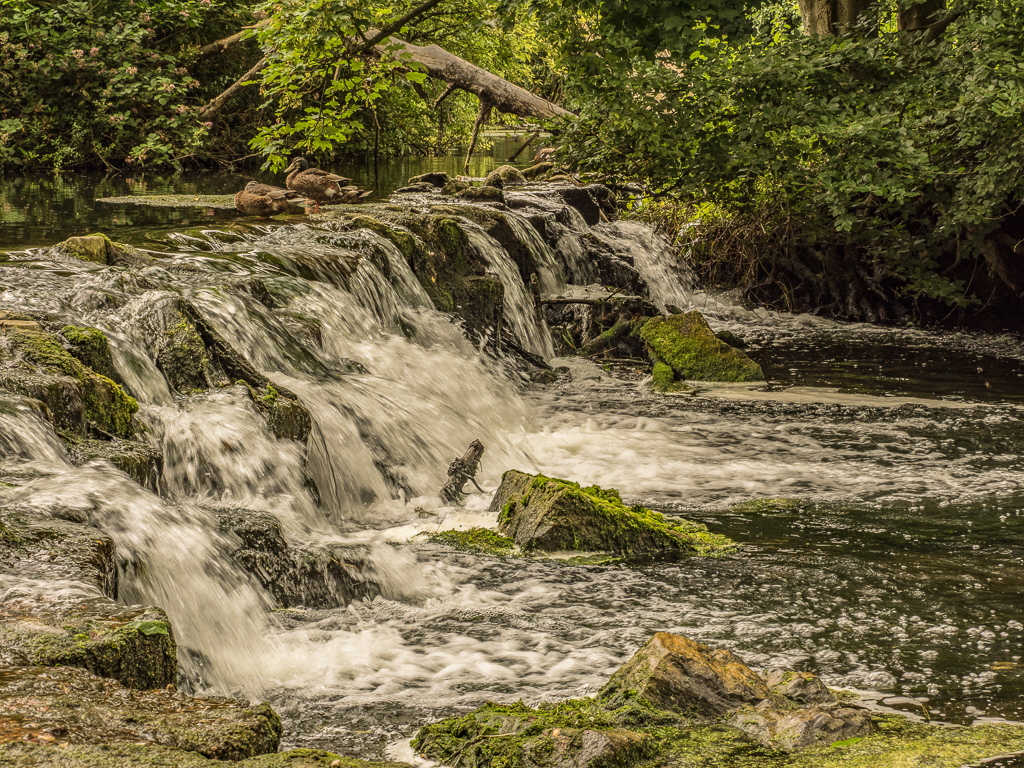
{"x": 772, "y": 506}
{"x": 479, "y": 540}
{"x": 663, "y": 379}
{"x": 90, "y": 345}
{"x": 503, "y": 736}
{"x": 99, "y": 249}
{"x": 687, "y": 344}
{"x": 105, "y": 405}
{"x": 59, "y": 397}
{"x": 131, "y": 644}
{"x": 454, "y": 186}
{"x": 482, "y": 195}
{"x": 504, "y": 176}
{"x": 194, "y": 357}
{"x": 39, "y": 755}
{"x": 573, "y": 734}
{"x": 75, "y": 707}
{"x": 556, "y": 515}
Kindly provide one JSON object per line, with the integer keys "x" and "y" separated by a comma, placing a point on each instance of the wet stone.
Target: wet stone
{"x": 26, "y": 754}
{"x": 64, "y": 706}
{"x": 802, "y": 728}
{"x": 131, "y": 644}
{"x": 674, "y": 673}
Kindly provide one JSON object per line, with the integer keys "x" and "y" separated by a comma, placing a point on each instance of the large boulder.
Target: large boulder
{"x": 542, "y": 513}
{"x": 687, "y": 344}
{"x": 65, "y": 706}
{"x": 98, "y": 249}
{"x": 675, "y": 673}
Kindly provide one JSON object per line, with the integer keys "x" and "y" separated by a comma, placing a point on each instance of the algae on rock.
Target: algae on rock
{"x": 549, "y": 514}
{"x": 687, "y": 344}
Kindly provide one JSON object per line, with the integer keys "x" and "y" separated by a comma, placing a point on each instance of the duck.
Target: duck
{"x": 264, "y": 200}
{"x": 315, "y": 184}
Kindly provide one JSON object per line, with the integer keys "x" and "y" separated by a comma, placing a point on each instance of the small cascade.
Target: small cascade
{"x": 549, "y": 273}
{"x": 520, "y": 311}
{"x": 668, "y": 281}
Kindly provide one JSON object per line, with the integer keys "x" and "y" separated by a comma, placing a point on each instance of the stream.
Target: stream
{"x": 896, "y": 569}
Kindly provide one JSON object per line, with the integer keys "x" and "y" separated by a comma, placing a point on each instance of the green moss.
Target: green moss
{"x": 496, "y": 736}
{"x": 664, "y": 376}
{"x": 481, "y": 540}
{"x": 104, "y": 402}
{"x": 91, "y": 347}
{"x": 686, "y": 343}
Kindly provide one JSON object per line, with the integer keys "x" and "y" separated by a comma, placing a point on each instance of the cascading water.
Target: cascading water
{"x": 907, "y": 520}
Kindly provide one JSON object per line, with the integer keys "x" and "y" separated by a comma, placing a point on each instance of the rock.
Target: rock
{"x": 304, "y": 327}
{"x": 420, "y": 186}
{"x": 504, "y": 176}
{"x": 49, "y": 548}
{"x": 801, "y": 687}
{"x": 802, "y": 728}
{"x": 580, "y": 199}
{"x": 255, "y": 287}
{"x": 140, "y": 461}
{"x": 194, "y": 357}
{"x": 105, "y": 406}
{"x": 454, "y": 186}
{"x": 91, "y": 347}
{"x": 536, "y": 170}
{"x": 59, "y": 396}
{"x": 663, "y": 379}
{"x": 574, "y": 734}
{"x": 67, "y": 706}
{"x": 131, "y": 644}
{"x": 674, "y": 673}
{"x": 551, "y": 515}
{"x": 482, "y": 194}
{"x": 99, "y": 249}
{"x": 313, "y": 576}
{"x": 687, "y": 344}
{"x": 156, "y": 756}
{"x": 434, "y": 179}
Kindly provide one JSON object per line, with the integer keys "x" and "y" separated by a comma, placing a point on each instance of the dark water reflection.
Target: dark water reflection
{"x": 42, "y": 209}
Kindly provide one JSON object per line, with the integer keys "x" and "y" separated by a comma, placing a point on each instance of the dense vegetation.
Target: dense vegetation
{"x": 873, "y": 169}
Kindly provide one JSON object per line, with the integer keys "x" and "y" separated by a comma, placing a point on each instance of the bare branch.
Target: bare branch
{"x": 221, "y": 100}
{"x": 223, "y": 44}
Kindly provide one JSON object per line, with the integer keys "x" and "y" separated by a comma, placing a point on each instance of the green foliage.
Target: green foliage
{"x": 329, "y": 98}
{"x": 910, "y": 154}
{"x": 88, "y": 83}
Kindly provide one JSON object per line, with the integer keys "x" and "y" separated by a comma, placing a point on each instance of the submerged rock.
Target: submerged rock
{"x": 194, "y": 357}
{"x": 549, "y": 514}
{"x": 438, "y": 179}
{"x": 64, "y": 706}
{"x": 687, "y": 344}
{"x": 482, "y": 194}
{"x": 322, "y": 576}
{"x": 99, "y": 249}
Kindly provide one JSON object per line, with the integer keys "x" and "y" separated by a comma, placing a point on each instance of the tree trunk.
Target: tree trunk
{"x": 830, "y": 17}
{"x": 500, "y": 93}
{"x": 917, "y": 17}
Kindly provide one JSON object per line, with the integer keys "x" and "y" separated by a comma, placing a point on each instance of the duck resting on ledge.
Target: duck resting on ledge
{"x": 264, "y": 200}
{"x": 321, "y": 186}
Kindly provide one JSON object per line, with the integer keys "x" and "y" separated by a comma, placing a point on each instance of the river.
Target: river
{"x": 896, "y": 568}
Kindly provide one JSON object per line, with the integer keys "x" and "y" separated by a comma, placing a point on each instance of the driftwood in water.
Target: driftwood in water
{"x": 460, "y": 471}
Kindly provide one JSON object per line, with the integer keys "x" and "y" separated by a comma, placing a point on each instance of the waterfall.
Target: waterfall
{"x": 668, "y": 281}
{"x": 520, "y": 312}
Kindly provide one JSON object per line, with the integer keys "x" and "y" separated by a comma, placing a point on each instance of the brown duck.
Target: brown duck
{"x": 321, "y": 186}
{"x": 265, "y": 201}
